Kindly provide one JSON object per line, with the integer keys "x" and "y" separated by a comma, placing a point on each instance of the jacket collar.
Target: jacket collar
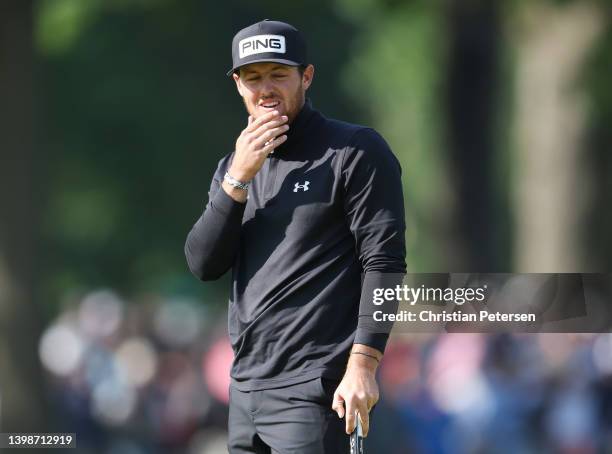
{"x": 298, "y": 127}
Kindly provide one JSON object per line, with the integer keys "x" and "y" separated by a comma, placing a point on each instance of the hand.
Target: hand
{"x": 358, "y": 392}
{"x": 256, "y": 142}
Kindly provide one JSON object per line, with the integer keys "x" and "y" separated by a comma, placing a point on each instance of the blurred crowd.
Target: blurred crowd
{"x": 148, "y": 376}
{"x": 152, "y": 376}
{"x": 496, "y": 394}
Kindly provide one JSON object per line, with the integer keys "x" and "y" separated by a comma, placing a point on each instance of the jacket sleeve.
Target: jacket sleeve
{"x": 374, "y": 206}
{"x": 212, "y": 243}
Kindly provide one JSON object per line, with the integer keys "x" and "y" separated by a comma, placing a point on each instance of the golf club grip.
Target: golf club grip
{"x": 356, "y": 438}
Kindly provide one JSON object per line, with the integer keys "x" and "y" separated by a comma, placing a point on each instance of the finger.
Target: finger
{"x": 269, "y": 135}
{"x": 257, "y": 122}
{"x": 267, "y": 149}
{"x": 372, "y": 401}
{"x": 250, "y": 119}
{"x": 364, "y": 417}
{"x": 338, "y": 405}
{"x": 350, "y": 418}
{"x": 270, "y": 124}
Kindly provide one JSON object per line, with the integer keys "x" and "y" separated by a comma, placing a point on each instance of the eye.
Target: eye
{"x": 279, "y": 76}
{"x": 252, "y": 78}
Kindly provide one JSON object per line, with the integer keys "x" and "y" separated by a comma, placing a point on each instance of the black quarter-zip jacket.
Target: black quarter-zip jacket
{"x": 322, "y": 227}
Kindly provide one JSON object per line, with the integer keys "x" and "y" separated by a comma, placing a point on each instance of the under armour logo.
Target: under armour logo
{"x": 301, "y": 186}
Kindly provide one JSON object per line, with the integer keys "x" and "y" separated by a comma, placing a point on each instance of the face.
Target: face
{"x": 272, "y": 86}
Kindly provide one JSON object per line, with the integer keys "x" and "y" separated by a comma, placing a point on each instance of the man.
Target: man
{"x": 302, "y": 208}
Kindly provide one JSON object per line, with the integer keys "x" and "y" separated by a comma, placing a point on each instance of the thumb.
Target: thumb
{"x": 338, "y": 405}
{"x": 250, "y": 119}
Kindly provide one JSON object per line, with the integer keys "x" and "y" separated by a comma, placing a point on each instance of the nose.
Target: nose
{"x": 267, "y": 87}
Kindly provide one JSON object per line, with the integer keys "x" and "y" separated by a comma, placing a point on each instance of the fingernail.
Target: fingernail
{"x": 285, "y": 117}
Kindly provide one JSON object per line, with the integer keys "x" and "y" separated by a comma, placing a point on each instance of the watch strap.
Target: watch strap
{"x": 235, "y": 183}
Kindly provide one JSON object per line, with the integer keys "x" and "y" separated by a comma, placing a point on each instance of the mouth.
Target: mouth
{"x": 269, "y": 104}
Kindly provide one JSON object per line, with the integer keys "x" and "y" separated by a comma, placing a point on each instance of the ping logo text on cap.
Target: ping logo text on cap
{"x": 261, "y": 43}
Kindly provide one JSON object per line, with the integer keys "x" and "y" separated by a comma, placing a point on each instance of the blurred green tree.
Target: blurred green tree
{"x": 428, "y": 74}
{"x": 21, "y": 391}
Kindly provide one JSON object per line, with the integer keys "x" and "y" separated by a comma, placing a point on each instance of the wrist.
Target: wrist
{"x": 229, "y": 179}
{"x": 363, "y": 360}
{"x": 240, "y": 175}
{"x": 364, "y": 356}
{"x": 239, "y": 195}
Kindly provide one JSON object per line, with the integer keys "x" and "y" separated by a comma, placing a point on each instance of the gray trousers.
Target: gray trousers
{"x": 296, "y": 419}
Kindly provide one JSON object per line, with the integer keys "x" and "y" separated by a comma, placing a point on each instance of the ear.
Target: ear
{"x": 307, "y": 76}
{"x": 236, "y": 78}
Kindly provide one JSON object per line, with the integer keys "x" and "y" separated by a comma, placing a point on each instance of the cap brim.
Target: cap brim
{"x": 265, "y": 60}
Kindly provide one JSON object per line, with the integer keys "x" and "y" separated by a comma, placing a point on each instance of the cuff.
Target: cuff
{"x": 374, "y": 340}
{"x": 223, "y": 203}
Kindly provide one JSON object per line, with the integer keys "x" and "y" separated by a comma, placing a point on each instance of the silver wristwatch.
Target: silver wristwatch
{"x": 235, "y": 183}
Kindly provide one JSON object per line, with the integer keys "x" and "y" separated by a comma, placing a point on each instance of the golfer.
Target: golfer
{"x": 308, "y": 214}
